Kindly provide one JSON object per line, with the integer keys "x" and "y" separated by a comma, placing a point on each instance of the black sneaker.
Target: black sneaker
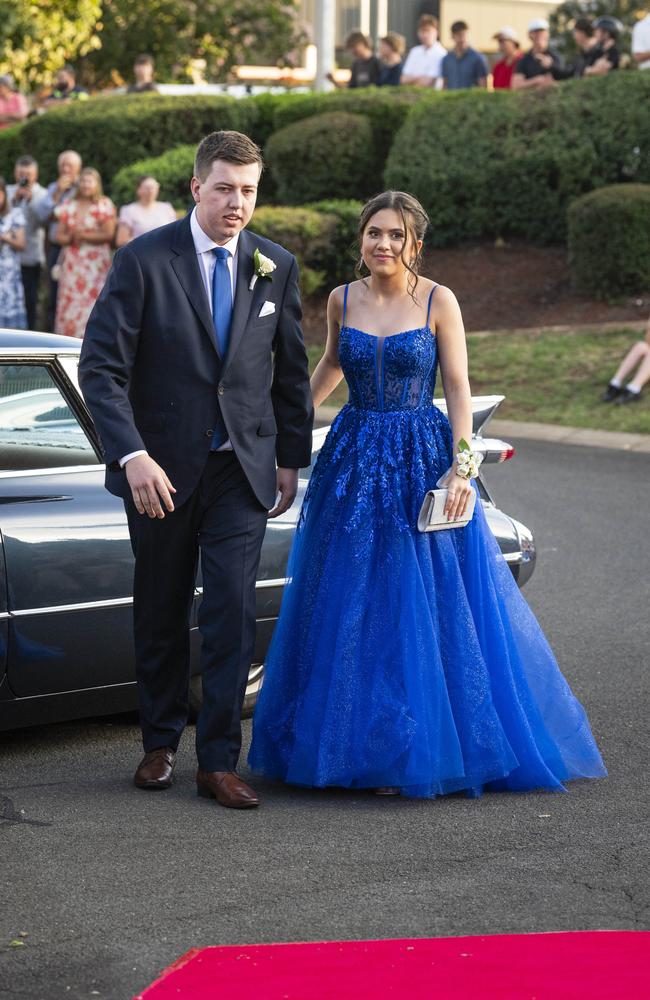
{"x": 627, "y": 396}
{"x": 611, "y": 393}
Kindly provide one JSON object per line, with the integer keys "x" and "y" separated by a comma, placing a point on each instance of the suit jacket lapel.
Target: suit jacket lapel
{"x": 188, "y": 271}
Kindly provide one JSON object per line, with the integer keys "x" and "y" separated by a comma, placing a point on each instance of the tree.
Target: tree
{"x": 563, "y": 18}
{"x": 219, "y": 33}
{"x": 36, "y": 39}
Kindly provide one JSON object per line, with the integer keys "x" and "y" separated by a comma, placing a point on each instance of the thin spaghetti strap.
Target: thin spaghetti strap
{"x": 429, "y": 302}
{"x": 345, "y": 304}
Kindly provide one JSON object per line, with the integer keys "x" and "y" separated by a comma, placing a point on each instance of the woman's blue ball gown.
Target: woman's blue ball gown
{"x": 399, "y": 658}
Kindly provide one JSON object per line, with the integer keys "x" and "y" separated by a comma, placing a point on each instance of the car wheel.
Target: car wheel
{"x": 255, "y": 677}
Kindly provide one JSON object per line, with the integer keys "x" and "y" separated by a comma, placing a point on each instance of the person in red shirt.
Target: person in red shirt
{"x": 13, "y": 106}
{"x": 511, "y": 53}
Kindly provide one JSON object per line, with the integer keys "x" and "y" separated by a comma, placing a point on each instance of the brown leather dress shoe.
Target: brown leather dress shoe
{"x": 155, "y": 770}
{"x": 227, "y": 788}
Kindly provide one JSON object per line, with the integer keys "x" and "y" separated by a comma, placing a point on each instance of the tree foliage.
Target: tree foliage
{"x": 102, "y": 37}
{"x": 36, "y": 39}
{"x": 185, "y": 35}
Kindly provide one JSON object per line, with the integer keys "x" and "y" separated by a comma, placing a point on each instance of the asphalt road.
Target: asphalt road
{"x": 112, "y": 884}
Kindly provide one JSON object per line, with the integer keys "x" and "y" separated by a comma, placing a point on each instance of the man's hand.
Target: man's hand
{"x": 287, "y": 480}
{"x": 149, "y": 485}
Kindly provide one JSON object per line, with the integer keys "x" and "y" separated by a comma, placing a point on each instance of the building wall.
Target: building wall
{"x": 483, "y": 16}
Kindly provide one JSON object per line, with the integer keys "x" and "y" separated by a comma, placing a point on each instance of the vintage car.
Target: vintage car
{"x": 66, "y": 648}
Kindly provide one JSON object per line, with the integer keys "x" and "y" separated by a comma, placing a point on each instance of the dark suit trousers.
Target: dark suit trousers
{"x": 31, "y": 275}
{"x": 53, "y": 254}
{"x": 222, "y": 523}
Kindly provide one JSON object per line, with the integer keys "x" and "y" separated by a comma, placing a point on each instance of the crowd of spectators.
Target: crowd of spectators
{"x": 66, "y": 231}
{"x": 430, "y": 64}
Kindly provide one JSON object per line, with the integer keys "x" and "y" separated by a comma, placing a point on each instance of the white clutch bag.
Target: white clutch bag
{"x": 432, "y": 516}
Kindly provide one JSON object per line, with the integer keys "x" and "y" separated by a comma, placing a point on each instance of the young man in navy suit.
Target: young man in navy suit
{"x": 195, "y": 371}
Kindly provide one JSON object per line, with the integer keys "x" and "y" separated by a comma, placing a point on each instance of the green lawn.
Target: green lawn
{"x": 548, "y": 376}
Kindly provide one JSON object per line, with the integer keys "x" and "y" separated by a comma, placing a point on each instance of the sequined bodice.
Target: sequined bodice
{"x": 389, "y": 373}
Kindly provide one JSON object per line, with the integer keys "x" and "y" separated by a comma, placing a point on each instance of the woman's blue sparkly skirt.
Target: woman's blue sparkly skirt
{"x": 406, "y": 659}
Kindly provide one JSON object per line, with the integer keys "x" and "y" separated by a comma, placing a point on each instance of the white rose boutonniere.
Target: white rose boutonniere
{"x": 467, "y": 462}
{"x": 264, "y": 267}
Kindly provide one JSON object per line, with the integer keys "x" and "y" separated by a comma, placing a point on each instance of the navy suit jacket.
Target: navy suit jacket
{"x": 153, "y": 378}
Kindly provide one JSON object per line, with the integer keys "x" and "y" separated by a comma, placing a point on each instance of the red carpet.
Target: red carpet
{"x": 574, "y": 966}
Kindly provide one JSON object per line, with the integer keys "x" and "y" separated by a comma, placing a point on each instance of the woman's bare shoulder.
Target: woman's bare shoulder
{"x": 443, "y": 295}
{"x": 337, "y": 298}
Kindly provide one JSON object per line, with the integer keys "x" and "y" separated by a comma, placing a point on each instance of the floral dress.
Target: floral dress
{"x": 12, "y": 296}
{"x": 83, "y": 269}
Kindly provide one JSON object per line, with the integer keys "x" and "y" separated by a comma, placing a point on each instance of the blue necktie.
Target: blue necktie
{"x": 221, "y": 317}
{"x": 221, "y": 299}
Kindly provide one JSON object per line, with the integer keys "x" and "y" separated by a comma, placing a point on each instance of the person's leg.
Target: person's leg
{"x": 629, "y": 362}
{"x": 230, "y": 538}
{"x": 166, "y": 552}
{"x": 53, "y": 254}
{"x": 31, "y": 274}
{"x": 643, "y": 372}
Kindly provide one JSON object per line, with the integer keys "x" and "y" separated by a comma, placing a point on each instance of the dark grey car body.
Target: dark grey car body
{"x": 66, "y": 565}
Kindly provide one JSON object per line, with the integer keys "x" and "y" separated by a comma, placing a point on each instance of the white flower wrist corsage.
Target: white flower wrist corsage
{"x": 264, "y": 267}
{"x": 467, "y": 461}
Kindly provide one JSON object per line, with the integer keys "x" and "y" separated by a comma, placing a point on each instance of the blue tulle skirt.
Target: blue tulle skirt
{"x": 406, "y": 659}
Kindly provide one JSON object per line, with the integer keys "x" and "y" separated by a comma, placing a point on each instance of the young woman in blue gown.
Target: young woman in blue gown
{"x": 402, "y": 661}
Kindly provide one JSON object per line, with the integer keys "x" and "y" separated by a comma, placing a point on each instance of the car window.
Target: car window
{"x": 38, "y": 430}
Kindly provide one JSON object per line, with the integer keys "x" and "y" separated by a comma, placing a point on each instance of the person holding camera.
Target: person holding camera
{"x": 26, "y": 193}
{"x": 59, "y": 192}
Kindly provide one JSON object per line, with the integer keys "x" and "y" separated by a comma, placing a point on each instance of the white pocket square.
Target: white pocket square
{"x": 267, "y": 309}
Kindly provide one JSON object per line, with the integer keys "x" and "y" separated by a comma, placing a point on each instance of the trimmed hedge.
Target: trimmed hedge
{"x": 321, "y": 235}
{"x": 485, "y": 165}
{"x": 320, "y": 156}
{"x": 609, "y": 240}
{"x": 386, "y": 109}
{"x": 509, "y": 163}
{"x": 173, "y": 170}
{"x": 110, "y": 132}
{"x": 11, "y": 147}
{"x": 338, "y": 257}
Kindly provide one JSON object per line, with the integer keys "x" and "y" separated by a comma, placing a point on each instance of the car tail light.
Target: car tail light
{"x": 493, "y": 449}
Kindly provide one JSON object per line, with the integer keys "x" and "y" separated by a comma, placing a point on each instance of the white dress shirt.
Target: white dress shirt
{"x": 423, "y": 61}
{"x": 641, "y": 39}
{"x": 204, "y": 245}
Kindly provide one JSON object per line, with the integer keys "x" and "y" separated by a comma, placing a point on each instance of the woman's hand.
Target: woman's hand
{"x": 458, "y": 493}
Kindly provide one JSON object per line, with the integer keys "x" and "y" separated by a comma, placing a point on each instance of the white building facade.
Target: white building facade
{"x": 484, "y": 17}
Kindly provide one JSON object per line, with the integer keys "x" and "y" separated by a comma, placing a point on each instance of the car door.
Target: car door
{"x": 68, "y": 558}
{"x": 4, "y": 620}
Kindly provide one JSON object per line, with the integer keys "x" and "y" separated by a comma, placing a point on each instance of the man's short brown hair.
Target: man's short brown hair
{"x": 429, "y": 21}
{"x": 395, "y": 42}
{"x": 357, "y": 38}
{"x": 234, "y": 147}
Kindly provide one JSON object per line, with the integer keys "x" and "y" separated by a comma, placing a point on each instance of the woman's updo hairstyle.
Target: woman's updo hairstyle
{"x": 415, "y": 222}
